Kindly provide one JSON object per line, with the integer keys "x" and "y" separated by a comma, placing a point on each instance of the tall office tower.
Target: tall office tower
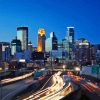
{"x": 22, "y": 35}
{"x": 95, "y": 52}
{"x": 15, "y": 46}
{"x": 5, "y": 51}
{"x": 30, "y": 47}
{"x": 51, "y": 43}
{"x": 64, "y": 44}
{"x": 82, "y": 51}
{"x": 41, "y": 40}
{"x": 70, "y": 42}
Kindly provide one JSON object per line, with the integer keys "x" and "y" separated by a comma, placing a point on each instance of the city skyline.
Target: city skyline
{"x": 53, "y": 15}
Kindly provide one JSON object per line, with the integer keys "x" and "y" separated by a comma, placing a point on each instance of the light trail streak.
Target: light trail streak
{"x": 93, "y": 85}
{"x": 46, "y": 82}
{"x": 86, "y": 88}
{"x": 9, "y": 80}
{"x": 58, "y": 94}
{"x": 41, "y": 92}
{"x": 37, "y": 93}
{"x": 55, "y": 90}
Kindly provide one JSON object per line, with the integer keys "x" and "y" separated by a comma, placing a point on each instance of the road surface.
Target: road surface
{"x": 91, "y": 89}
{"x": 56, "y": 91}
{"x": 6, "y": 91}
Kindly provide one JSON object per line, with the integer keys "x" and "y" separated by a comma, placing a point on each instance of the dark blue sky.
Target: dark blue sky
{"x": 52, "y": 15}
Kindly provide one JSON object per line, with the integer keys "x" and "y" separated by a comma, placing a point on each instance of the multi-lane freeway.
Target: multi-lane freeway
{"x": 9, "y": 90}
{"x": 54, "y": 88}
{"x": 90, "y": 88}
{"x": 56, "y": 91}
{"x": 11, "y": 86}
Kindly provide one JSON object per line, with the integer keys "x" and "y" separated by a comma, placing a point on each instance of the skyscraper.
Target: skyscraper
{"x": 5, "y": 51}
{"x": 41, "y": 40}
{"x": 51, "y": 43}
{"x": 64, "y": 44}
{"x": 70, "y": 42}
{"x": 95, "y": 53}
{"x": 82, "y": 51}
{"x": 30, "y": 46}
{"x": 22, "y": 35}
{"x": 15, "y": 46}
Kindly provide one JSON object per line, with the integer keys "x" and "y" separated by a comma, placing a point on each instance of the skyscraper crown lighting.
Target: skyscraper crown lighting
{"x": 41, "y": 31}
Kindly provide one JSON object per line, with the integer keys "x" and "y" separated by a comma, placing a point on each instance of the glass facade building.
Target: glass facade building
{"x": 82, "y": 51}
{"x": 15, "y": 46}
{"x": 30, "y": 47}
{"x": 22, "y": 35}
{"x": 51, "y": 43}
{"x": 5, "y": 51}
{"x": 70, "y": 42}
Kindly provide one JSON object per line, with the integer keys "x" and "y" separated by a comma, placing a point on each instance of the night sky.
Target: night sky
{"x": 52, "y": 15}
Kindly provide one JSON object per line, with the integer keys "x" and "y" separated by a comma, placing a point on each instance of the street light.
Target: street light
{"x": 77, "y": 68}
{"x": 64, "y": 66}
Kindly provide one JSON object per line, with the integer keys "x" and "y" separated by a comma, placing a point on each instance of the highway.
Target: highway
{"x": 11, "y": 86}
{"x": 9, "y": 80}
{"x": 91, "y": 89}
{"x": 56, "y": 91}
{"x": 55, "y": 88}
{"x": 11, "y": 89}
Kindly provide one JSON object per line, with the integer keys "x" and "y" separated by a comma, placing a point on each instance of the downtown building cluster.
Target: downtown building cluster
{"x": 69, "y": 49}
